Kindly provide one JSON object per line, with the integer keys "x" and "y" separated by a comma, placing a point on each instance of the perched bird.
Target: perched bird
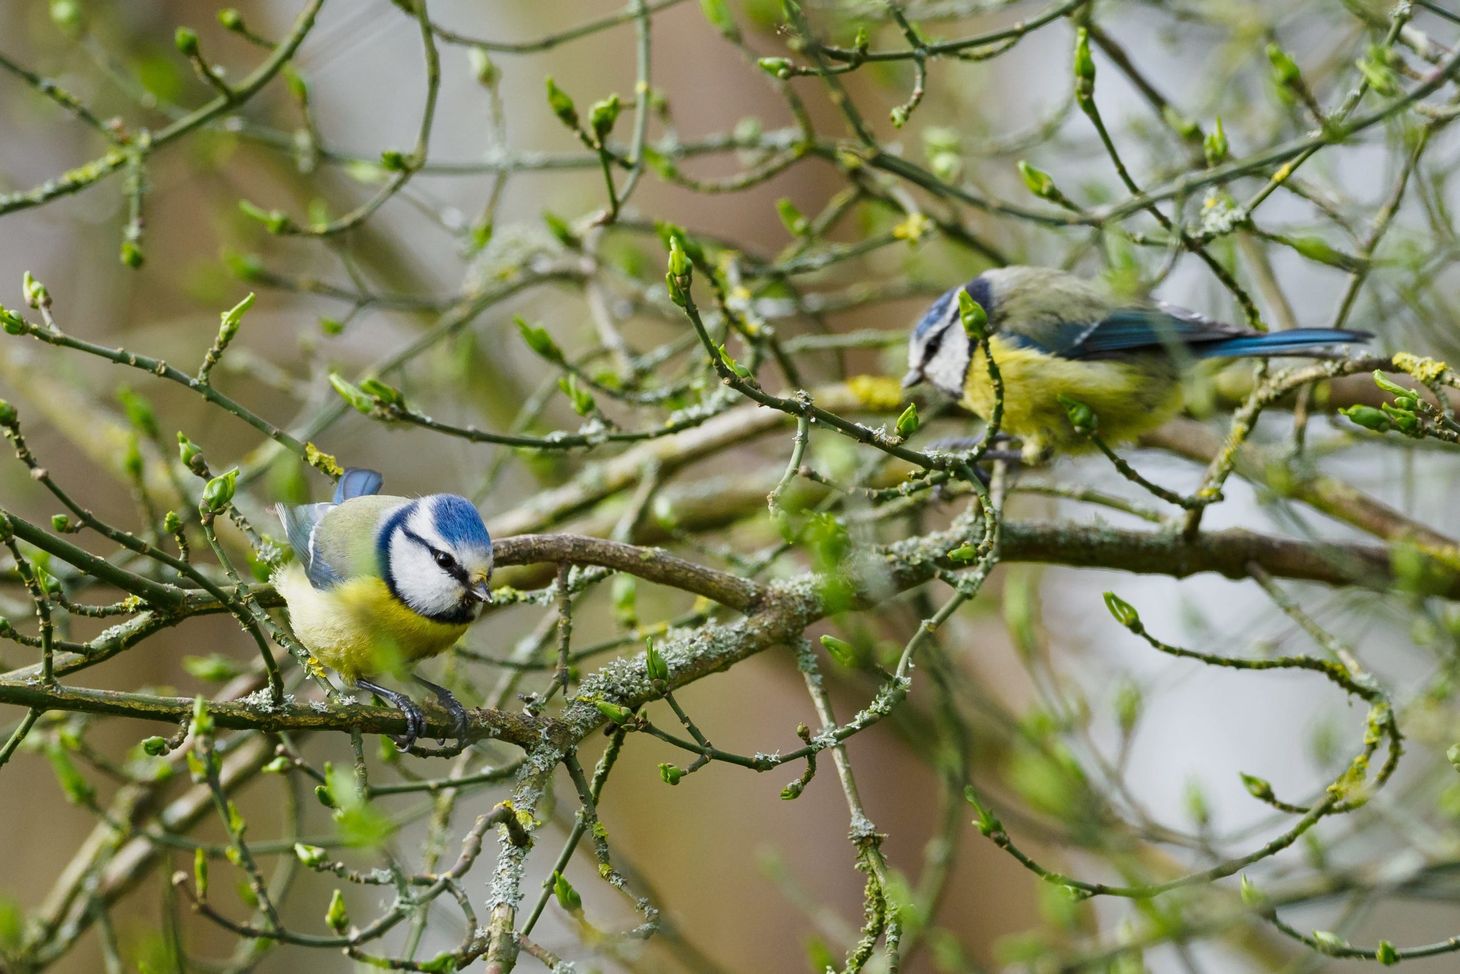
{"x": 380, "y": 582}
{"x": 1053, "y": 334}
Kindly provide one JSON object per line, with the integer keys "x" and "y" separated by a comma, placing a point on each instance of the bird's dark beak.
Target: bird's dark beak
{"x": 913, "y": 378}
{"x": 479, "y": 591}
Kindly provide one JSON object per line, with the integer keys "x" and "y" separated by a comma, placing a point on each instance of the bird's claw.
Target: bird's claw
{"x": 460, "y": 720}
{"x": 415, "y": 719}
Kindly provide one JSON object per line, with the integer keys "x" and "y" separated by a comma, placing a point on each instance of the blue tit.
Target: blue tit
{"x": 380, "y": 582}
{"x": 1053, "y": 334}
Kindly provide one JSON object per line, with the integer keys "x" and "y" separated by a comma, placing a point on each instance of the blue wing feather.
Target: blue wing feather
{"x": 1128, "y": 330}
{"x": 299, "y": 524}
{"x": 357, "y": 482}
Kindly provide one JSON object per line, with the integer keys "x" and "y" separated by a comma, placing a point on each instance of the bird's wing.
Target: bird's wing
{"x": 357, "y": 482}
{"x": 1136, "y": 330}
{"x": 337, "y": 542}
{"x": 301, "y": 524}
{"x": 349, "y": 534}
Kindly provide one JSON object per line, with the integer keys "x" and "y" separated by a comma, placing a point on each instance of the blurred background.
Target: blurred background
{"x": 501, "y": 222}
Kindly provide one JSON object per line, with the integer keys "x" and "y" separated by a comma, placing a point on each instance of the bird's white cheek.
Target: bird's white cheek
{"x": 947, "y": 368}
{"x": 421, "y": 582}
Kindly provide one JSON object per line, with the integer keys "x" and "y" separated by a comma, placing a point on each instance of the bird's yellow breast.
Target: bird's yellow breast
{"x": 1129, "y": 399}
{"x": 357, "y": 627}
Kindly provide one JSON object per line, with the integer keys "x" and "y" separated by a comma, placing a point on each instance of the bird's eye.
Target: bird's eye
{"x": 934, "y": 343}
{"x": 444, "y": 560}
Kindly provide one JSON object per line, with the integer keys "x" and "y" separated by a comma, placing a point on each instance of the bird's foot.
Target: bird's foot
{"x": 460, "y": 721}
{"x": 415, "y": 719}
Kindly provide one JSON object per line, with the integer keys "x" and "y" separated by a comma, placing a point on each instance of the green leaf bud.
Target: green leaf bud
{"x": 1390, "y": 386}
{"x": 730, "y": 363}
{"x": 132, "y": 458}
{"x": 1385, "y": 954}
{"x": 60, "y": 523}
{"x": 973, "y": 316}
{"x": 679, "y": 262}
{"x": 200, "y": 726}
{"x": 840, "y": 650}
{"x": 625, "y": 595}
{"x": 907, "y": 423}
{"x": 1081, "y": 416}
{"x": 792, "y": 218}
{"x": 1215, "y": 145}
{"x": 776, "y": 67}
{"x": 274, "y": 221}
{"x": 987, "y": 822}
{"x": 1259, "y": 788}
{"x": 717, "y": 12}
{"x": 581, "y": 399}
{"x": 188, "y": 452}
{"x": 131, "y": 254}
{"x": 218, "y": 492}
{"x": 1084, "y": 67}
{"x": 312, "y": 856}
{"x": 1039, "y": 182}
{"x": 1284, "y": 69}
{"x": 963, "y": 553}
{"x": 1123, "y": 611}
{"x": 670, "y": 774}
{"x": 1401, "y": 419}
{"x": 323, "y": 796}
{"x": 278, "y": 765}
{"x": 1251, "y": 895}
{"x": 617, "y": 713}
{"x": 13, "y": 323}
{"x": 171, "y": 523}
{"x": 443, "y": 963}
{"x": 9, "y": 416}
{"x": 154, "y": 745}
{"x": 382, "y": 393}
{"x": 560, "y": 229}
{"x": 603, "y": 115}
{"x": 394, "y": 160}
{"x": 352, "y": 394}
{"x": 185, "y": 39}
{"x": 1129, "y": 702}
{"x": 565, "y": 894}
{"x": 213, "y": 667}
{"x": 654, "y": 663}
{"x": 35, "y": 292}
{"x": 230, "y": 19}
{"x": 200, "y": 872}
{"x": 74, "y": 786}
{"x": 337, "y": 917}
{"x": 1328, "y": 941}
{"x": 539, "y": 340}
{"x": 561, "y": 104}
{"x": 1375, "y": 68}
{"x": 1452, "y": 754}
{"x": 229, "y": 320}
{"x": 1368, "y": 417}
{"x": 482, "y": 67}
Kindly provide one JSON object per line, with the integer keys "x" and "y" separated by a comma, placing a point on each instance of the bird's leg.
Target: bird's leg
{"x": 459, "y": 719}
{"x": 415, "y": 720}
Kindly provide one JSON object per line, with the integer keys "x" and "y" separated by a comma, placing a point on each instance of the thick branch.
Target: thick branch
{"x": 651, "y": 564}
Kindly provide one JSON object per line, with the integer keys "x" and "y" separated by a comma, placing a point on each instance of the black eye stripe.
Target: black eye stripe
{"x": 443, "y": 559}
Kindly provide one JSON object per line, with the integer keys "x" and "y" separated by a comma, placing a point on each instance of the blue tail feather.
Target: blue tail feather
{"x": 1297, "y": 341}
{"x": 357, "y": 482}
